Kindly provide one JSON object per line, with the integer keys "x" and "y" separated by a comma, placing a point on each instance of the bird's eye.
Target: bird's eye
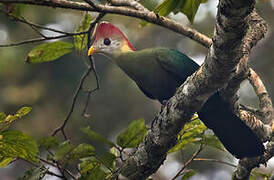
{"x": 107, "y": 41}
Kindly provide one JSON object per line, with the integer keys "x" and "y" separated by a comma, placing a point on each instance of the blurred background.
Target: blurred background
{"x": 48, "y": 88}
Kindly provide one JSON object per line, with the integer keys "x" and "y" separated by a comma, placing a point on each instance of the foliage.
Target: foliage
{"x": 187, "y": 7}
{"x": 96, "y": 136}
{"x": 194, "y": 132}
{"x": 7, "y": 120}
{"x": 188, "y": 174}
{"x": 80, "y": 41}
{"x": 133, "y": 135}
{"x": 15, "y": 144}
{"x": 34, "y": 174}
{"x": 14, "y": 9}
{"x": 90, "y": 162}
{"x": 48, "y": 52}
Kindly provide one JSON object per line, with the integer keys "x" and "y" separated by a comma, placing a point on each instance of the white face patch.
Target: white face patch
{"x": 110, "y": 48}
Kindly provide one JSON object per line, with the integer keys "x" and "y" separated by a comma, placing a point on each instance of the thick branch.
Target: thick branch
{"x": 256, "y": 31}
{"x": 221, "y": 62}
{"x": 220, "y": 66}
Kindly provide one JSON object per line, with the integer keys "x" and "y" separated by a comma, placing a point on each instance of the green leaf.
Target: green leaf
{"x": 34, "y": 174}
{"x": 260, "y": 175}
{"x": 96, "y": 136}
{"x": 23, "y": 111}
{"x": 14, "y": 9}
{"x": 63, "y": 149}
{"x": 252, "y": 177}
{"x": 213, "y": 141}
{"x": 190, "y": 7}
{"x": 48, "y": 142}
{"x": 80, "y": 41}
{"x": 5, "y": 161}
{"x": 133, "y": 135}
{"x": 188, "y": 174}
{"x": 90, "y": 169}
{"x": 87, "y": 165}
{"x": 107, "y": 159}
{"x": 16, "y": 144}
{"x": 17, "y": 10}
{"x": 166, "y": 7}
{"x": 193, "y": 132}
{"x": 150, "y": 5}
{"x": 187, "y": 7}
{"x": 6, "y": 121}
{"x": 81, "y": 151}
{"x": 2, "y": 116}
{"x": 48, "y": 52}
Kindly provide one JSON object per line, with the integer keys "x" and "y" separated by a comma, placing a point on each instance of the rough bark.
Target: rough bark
{"x": 220, "y": 65}
{"x": 237, "y": 30}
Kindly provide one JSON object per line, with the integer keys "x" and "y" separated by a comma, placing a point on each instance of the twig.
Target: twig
{"x": 179, "y": 173}
{"x": 36, "y": 165}
{"x": 91, "y": 62}
{"x": 89, "y": 92}
{"x": 61, "y": 128}
{"x": 82, "y": 80}
{"x": 92, "y": 27}
{"x": 61, "y": 169}
{"x": 40, "y": 39}
{"x": 23, "y": 20}
{"x": 214, "y": 160}
{"x": 92, "y": 4}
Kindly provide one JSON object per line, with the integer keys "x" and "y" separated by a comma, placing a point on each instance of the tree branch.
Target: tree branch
{"x": 221, "y": 62}
{"x": 179, "y": 173}
{"x": 265, "y": 101}
{"x": 148, "y": 16}
{"x": 36, "y": 40}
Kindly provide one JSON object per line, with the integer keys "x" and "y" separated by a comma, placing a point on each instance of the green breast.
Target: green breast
{"x": 148, "y": 68}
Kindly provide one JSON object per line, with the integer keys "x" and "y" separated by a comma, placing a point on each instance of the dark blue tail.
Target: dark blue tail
{"x": 235, "y": 135}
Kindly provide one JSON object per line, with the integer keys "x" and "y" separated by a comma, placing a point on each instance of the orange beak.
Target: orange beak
{"x": 91, "y": 51}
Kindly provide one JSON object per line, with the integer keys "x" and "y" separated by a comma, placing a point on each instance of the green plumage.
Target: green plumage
{"x": 158, "y": 72}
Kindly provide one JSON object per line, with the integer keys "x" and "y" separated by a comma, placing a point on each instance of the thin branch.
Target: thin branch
{"x": 91, "y": 30}
{"x": 76, "y": 94}
{"x": 89, "y": 92}
{"x": 90, "y": 67}
{"x": 40, "y": 39}
{"x": 92, "y": 4}
{"x": 36, "y": 165}
{"x": 264, "y": 98}
{"x": 61, "y": 169}
{"x": 215, "y": 160}
{"x": 179, "y": 173}
{"x": 220, "y": 60}
{"x": 250, "y": 109}
{"x": 23, "y": 20}
{"x": 92, "y": 27}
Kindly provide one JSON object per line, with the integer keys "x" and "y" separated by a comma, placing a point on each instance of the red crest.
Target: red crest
{"x": 107, "y": 30}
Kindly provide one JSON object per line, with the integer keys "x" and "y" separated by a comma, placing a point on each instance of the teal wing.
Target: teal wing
{"x": 176, "y": 63}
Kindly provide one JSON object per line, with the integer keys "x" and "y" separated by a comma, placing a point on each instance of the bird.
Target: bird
{"x": 158, "y": 72}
